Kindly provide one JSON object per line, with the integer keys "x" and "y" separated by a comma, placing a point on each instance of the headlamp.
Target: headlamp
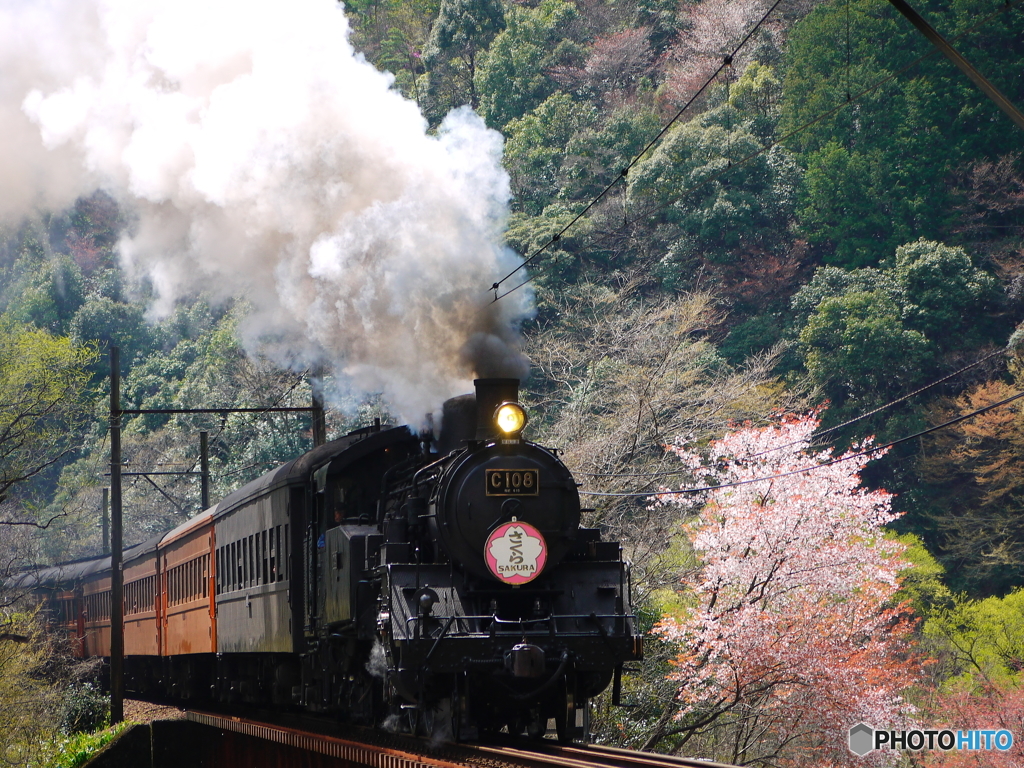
{"x": 510, "y": 418}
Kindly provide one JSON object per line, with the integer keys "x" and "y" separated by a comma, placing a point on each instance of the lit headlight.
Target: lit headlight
{"x": 510, "y": 418}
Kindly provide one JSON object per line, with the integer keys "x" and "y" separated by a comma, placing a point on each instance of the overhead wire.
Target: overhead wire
{"x": 816, "y": 441}
{"x": 647, "y": 212}
{"x": 223, "y": 426}
{"x": 811, "y": 468}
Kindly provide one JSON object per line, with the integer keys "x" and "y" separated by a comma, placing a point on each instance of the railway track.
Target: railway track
{"x": 375, "y": 749}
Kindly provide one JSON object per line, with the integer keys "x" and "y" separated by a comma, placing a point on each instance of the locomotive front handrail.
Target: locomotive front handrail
{"x": 521, "y": 624}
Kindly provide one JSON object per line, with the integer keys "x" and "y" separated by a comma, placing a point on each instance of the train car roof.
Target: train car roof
{"x": 187, "y": 527}
{"x": 355, "y": 445}
{"x": 77, "y": 570}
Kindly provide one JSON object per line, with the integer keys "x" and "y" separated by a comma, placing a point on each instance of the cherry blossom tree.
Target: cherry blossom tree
{"x": 992, "y": 706}
{"x": 714, "y": 28}
{"x": 793, "y": 630}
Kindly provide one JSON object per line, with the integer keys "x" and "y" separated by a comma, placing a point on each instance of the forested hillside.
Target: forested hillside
{"x": 730, "y": 211}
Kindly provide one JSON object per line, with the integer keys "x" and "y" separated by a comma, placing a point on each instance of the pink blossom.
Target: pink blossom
{"x": 797, "y": 612}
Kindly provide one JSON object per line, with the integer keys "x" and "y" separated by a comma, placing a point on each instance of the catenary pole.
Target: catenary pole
{"x": 317, "y": 409}
{"x": 204, "y": 469}
{"x": 116, "y": 542}
{"x": 105, "y": 522}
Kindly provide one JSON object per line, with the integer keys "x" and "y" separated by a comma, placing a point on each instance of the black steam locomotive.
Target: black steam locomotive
{"x": 387, "y": 577}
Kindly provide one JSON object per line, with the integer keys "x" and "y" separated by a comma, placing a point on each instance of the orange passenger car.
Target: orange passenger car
{"x": 188, "y": 612}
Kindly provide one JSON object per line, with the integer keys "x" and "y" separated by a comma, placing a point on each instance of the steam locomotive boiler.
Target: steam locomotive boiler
{"x": 385, "y": 577}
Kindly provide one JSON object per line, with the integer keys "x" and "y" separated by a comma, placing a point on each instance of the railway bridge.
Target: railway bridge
{"x": 208, "y": 740}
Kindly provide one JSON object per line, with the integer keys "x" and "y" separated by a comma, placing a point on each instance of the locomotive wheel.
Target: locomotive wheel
{"x": 565, "y": 713}
{"x": 460, "y": 707}
{"x": 537, "y": 724}
{"x": 440, "y": 722}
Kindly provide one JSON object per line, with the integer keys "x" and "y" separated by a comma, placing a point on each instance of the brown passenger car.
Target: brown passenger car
{"x": 188, "y": 611}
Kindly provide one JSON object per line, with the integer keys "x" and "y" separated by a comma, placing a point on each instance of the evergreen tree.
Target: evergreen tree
{"x": 462, "y": 29}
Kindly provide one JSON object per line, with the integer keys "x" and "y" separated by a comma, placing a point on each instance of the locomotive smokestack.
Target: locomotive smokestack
{"x": 490, "y": 393}
{"x": 458, "y": 423}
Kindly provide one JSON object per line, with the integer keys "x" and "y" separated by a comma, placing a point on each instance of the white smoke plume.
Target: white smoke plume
{"x": 263, "y": 158}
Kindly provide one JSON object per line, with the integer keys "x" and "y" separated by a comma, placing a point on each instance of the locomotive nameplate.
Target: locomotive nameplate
{"x": 512, "y": 482}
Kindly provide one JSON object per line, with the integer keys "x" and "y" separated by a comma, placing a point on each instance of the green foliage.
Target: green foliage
{"x": 983, "y": 639}
{"x": 816, "y": 77}
{"x": 30, "y": 700}
{"x": 711, "y": 210}
{"x": 751, "y": 336}
{"x": 104, "y": 323}
{"x": 839, "y": 207}
{"x": 47, "y": 294}
{"x": 561, "y": 262}
{"x": 536, "y": 147}
{"x": 513, "y": 77}
{"x": 462, "y": 29}
{"x": 76, "y": 749}
{"x": 878, "y": 169}
{"x": 757, "y": 90}
{"x": 596, "y": 153}
{"x": 85, "y": 708}
{"x": 831, "y": 282}
{"x": 869, "y": 335}
{"x": 392, "y": 34}
{"x": 857, "y": 349}
{"x": 941, "y": 287}
{"x": 922, "y": 584}
{"x": 43, "y": 381}
{"x": 398, "y": 55}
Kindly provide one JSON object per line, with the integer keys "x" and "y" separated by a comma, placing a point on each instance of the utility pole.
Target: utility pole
{"x": 105, "y": 522}
{"x": 318, "y": 417}
{"x": 204, "y": 469}
{"x": 116, "y": 541}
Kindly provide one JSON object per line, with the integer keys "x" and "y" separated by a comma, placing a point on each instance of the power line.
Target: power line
{"x": 829, "y": 463}
{"x": 816, "y": 441}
